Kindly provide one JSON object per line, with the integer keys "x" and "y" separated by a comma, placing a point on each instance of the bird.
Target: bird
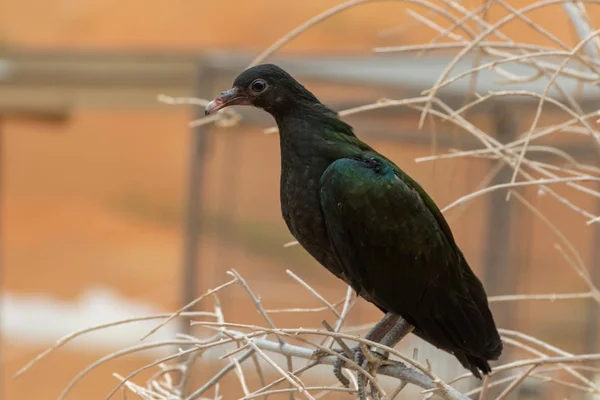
{"x": 368, "y": 222}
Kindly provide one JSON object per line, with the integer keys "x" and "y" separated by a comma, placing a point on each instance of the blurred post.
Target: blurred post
{"x": 500, "y": 271}
{"x": 193, "y": 202}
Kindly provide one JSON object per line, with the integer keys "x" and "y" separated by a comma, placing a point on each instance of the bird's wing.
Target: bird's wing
{"x": 398, "y": 252}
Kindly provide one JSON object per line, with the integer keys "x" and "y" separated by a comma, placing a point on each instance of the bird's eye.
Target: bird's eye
{"x": 258, "y": 86}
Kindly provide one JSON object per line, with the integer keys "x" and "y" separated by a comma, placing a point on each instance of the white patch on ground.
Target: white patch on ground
{"x": 41, "y": 320}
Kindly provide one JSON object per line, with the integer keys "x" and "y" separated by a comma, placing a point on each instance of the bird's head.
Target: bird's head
{"x": 264, "y": 86}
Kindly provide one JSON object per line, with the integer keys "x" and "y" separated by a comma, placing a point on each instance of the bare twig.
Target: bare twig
{"x": 191, "y": 304}
{"x": 313, "y": 292}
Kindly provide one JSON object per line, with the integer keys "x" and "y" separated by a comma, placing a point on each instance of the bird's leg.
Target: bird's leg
{"x": 385, "y": 331}
{"x": 380, "y": 329}
{"x": 400, "y": 329}
{"x": 388, "y": 331}
{"x": 372, "y": 360}
{"x": 363, "y": 357}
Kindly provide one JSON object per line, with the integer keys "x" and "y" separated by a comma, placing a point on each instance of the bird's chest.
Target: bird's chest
{"x": 301, "y": 203}
{"x": 301, "y": 209}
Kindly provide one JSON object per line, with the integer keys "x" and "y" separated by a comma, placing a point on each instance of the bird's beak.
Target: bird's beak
{"x": 227, "y": 98}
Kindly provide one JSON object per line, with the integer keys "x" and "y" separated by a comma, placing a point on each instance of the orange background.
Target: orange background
{"x": 96, "y": 200}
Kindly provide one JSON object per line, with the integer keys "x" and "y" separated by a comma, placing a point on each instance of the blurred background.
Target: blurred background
{"x": 113, "y": 207}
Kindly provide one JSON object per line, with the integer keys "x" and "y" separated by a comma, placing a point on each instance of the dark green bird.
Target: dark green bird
{"x": 368, "y": 222}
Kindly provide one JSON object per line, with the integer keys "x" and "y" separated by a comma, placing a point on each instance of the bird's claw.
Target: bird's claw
{"x": 360, "y": 358}
{"x": 373, "y": 359}
{"x": 370, "y": 361}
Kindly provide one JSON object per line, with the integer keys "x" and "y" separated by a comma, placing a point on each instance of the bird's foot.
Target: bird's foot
{"x": 370, "y": 361}
{"x": 374, "y": 358}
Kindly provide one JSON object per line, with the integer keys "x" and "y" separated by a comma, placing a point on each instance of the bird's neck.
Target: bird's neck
{"x": 298, "y": 136}
{"x": 313, "y": 139}
{"x": 308, "y": 126}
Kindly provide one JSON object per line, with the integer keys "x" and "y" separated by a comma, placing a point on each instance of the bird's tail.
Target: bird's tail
{"x": 476, "y": 365}
{"x": 489, "y": 344}
{"x": 462, "y": 324}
